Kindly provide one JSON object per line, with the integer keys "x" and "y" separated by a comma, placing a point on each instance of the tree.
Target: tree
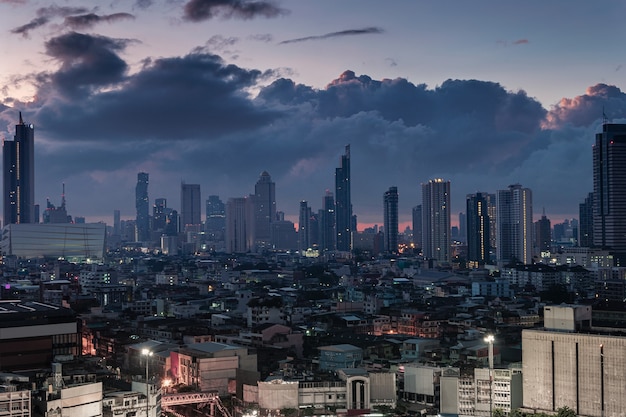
{"x": 565, "y": 412}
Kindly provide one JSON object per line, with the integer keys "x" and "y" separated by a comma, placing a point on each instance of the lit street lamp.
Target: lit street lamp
{"x": 490, "y": 339}
{"x": 147, "y": 353}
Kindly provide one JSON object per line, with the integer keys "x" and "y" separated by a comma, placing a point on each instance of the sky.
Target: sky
{"x": 484, "y": 94}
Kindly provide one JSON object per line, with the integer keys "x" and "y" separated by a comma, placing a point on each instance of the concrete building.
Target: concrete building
{"x": 563, "y": 367}
{"x": 436, "y": 220}
{"x": 514, "y": 225}
{"x": 339, "y": 357}
{"x": 390, "y": 206}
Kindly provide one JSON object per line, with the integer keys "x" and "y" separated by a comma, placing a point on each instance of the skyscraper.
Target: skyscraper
{"x": 436, "y": 220}
{"x": 239, "y": 225}
{"x": 585, "y": 230}
{"x": 159, "y": 214}
{"x": 343, "y": 204}
{"x": 215, "y": 218}
{"x": 264, "y": 209}
{"x": 417, "y": 226}
{"x": 190, "y": 207}
{"x": 304, "y": 227}
{"x": 327, "y": 235}
{"x": 390, "y": 201}
{"x": 543, "y": 234}
{"x": 515, "y": 225}
{"x": 609, "y": 185}
{"x": 19, "y": 175}
{"x": 142, "y": 222}
{"x": 478, "y": 228}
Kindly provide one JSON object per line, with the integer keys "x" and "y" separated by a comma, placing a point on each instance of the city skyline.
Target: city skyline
{"x": 226, "y": 92}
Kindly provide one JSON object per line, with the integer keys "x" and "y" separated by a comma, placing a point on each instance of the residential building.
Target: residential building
{"x": 417, "y": 225}
{"x": 340, "y": 356}
{"x": 264, "y": 210}
{"x": 585, "y": 222}
{"x": 190, "y": 207}
{"x": 239, "y": 225}
{"x": 436, "y": 220}
{"x": 515, "y": 221}
{"x": 478, "y": 229}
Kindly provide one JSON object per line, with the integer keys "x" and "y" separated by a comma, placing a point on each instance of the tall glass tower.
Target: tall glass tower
{"x": 390, "y": 201}
{"x": 609, "y": 190}
{"x": 264, "y": 209}
{"x": 143, "y": 208}
{"x": 343, "y": 203}
{"x": 19, "y": 175}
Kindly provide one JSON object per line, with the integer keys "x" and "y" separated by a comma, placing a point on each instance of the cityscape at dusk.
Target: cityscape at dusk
{"x": 214, "y": 93}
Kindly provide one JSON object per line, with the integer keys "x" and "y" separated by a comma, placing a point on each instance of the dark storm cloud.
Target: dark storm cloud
{"x": 349, "y": 32}
{"x": 44, "y": 15}
{"x": 192, "y": 97}
{"x": 88, "y": 62}
{"x": 143, "y": 4}
{"x": 89, "y": 20}
{"x": 200, "y": 10}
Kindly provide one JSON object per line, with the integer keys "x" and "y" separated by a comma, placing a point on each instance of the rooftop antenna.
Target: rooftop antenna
{"x": 605, "y": 119}
{"x": 21, "y": 120}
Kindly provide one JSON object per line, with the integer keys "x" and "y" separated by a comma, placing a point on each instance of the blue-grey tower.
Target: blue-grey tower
{"x": 19, "y": 175}
{"x": 343, "y": 203}
{"x": 143, "y": 208}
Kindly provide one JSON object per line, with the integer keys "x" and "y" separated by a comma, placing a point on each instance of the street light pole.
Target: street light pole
{"x": 147, "y": 353}
{"x": 490, "y": 339}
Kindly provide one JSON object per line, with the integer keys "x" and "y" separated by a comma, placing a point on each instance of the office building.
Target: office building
{"x": 478, "y": 229}
{"x": 585, "y": 225}
{"x": 19, "y": 175}
{"x": 609, "y": 183}
{"x": 190, "y": 207}
{"x": 417, "y": 226}
{"x": 326, "y": 216}
{"x": 543, "y": 234}
{"x": 215, "y": 218}
{"x": 239, "y": 225}
{"x": 159, "y": 214}
{"x": 343, "y": 204}
{"x": 142, "y": 222}
{"x": 436, "y": 220}
{"x": 304, "y": 227}
{"x": 264, "y": 209}
{"x": 515, "y": 225}
{"x": 390, "y": 201}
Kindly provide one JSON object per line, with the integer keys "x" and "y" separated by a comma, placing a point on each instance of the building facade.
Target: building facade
{"x": 478, "y": 229}
{"x": 190, "y": 207}
{"x": 142, "y": 221}
{"x": 264, "y": 209}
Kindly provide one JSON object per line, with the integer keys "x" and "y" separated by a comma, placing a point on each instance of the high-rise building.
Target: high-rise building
{"x": 343, "y": 203}
{"x": 239, "y": 225}
{"x": 19, "y": 175}
{"x": 117, "y": 227}
{"x": 159, "y": 214}
{"x": 264, "y": 209}
{"x": 515, "y": 225}
{"x": 215, "y": 218}
{"x": 585, "y": 229}
{"x": 417, "y": 226}
{"x": 543, "y": 234}
{"x": 190, "y": 207}
{"x": 462, "y": 237}
{"x": 436, "y": 220}
{"x": 609, "y": 183}
{"x": 478, "y": 228}
{"x": 304, "y": 227}
{"x": 142, "y": 222}
{"x": 390, "y": 201}
{"x": 327, "y": 235}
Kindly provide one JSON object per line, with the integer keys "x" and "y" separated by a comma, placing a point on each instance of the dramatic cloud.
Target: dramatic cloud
{"x": 87, "y": 62}
{"x": 86, "y": 21}
{"x": 349, "y": 32}
{"x": 200, "y": 10}
{"x": 599, "y": 101}
{"x": 24, "y": 30}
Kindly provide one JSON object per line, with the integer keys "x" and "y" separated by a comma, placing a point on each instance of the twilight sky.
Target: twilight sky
{"x": 484, "y": 94}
